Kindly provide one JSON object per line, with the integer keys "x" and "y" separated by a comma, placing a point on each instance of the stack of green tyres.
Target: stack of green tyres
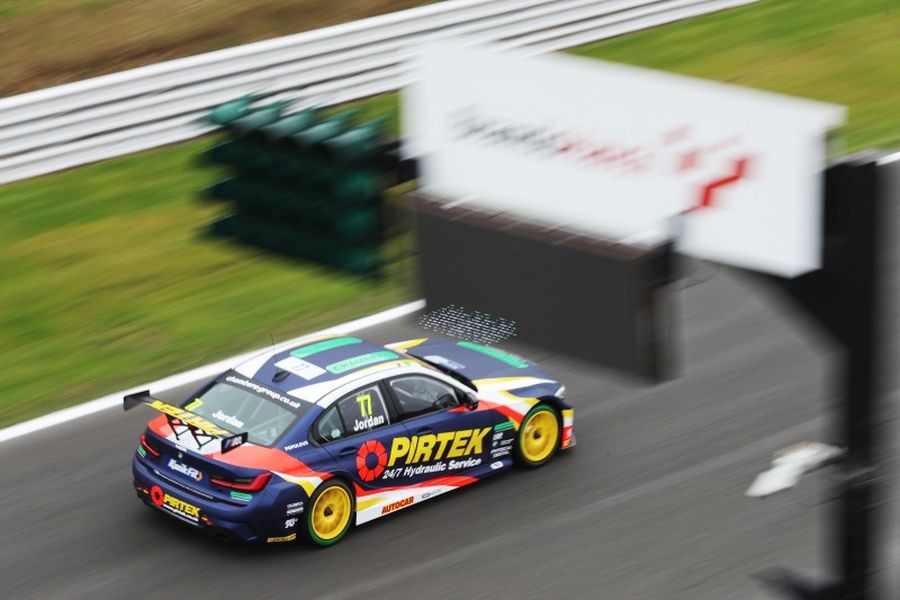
{"x": 302, "y": 184}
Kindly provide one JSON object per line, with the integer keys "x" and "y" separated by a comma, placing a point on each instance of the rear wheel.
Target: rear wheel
{"x": 330, "y": 513}
{"x": 538, "y": 436}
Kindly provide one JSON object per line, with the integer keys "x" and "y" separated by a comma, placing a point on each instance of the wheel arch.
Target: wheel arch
{"x": 558, "y": 404}
{"x": 345, "y": 478}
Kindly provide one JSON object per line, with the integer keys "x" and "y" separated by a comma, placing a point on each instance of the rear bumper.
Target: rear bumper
{"x": 250, "y": 523}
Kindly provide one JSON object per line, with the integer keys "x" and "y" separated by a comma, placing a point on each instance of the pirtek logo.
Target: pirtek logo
{"x": 449, "y": 444}
{"x": 160, "y": 498}
{"x": 396, "y": 505}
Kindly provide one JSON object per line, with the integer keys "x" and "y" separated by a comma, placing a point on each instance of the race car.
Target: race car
{"x": 307, "y": 442}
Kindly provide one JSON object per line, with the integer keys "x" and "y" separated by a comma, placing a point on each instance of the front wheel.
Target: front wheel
{"x": 330, "y": 512}
{"x": 538, "y": 436}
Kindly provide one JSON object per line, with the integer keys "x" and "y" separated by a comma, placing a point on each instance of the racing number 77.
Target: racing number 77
{"x": 365, "y": 404}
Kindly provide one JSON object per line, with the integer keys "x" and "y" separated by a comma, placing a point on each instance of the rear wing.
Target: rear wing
{"x": 183, "y": 422}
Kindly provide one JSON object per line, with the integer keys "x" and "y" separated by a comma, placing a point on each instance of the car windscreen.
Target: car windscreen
{"x": 240, "y": 405}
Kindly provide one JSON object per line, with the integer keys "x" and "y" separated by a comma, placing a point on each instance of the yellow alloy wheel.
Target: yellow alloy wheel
{"x": 330, "y": 515}
{"x": 539, "y": 435}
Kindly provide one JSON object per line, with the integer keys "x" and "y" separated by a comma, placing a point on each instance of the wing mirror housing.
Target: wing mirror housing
{"x": 470, "y": 401}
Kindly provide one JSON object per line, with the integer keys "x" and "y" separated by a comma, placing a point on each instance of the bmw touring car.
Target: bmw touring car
{"x": 307, "y": 442}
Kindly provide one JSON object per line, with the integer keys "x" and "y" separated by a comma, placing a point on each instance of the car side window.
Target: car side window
{"x": 417, "y": 395}
{"x": 329, "y": 427}
{"x": 363, "y": 410}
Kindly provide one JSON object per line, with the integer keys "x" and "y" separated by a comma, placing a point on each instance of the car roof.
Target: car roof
{"x": 317, "y": 366}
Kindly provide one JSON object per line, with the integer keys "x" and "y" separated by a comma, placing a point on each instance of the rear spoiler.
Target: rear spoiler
{"x": 182, "y": 421}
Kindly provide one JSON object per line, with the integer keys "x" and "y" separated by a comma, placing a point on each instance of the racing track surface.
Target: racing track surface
{"x": 649, "y": 505}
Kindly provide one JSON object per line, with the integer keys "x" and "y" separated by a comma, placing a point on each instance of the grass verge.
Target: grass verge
{"x": 107, "y": 281}
{"x": 49, "y": 42}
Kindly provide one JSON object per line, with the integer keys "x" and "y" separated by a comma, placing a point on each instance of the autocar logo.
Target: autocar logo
{"x": 185, "y": 470}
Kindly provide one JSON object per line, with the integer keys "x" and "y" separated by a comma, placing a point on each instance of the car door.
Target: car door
{"x": 444, "y": 437}
{"x": 358, "y": 431}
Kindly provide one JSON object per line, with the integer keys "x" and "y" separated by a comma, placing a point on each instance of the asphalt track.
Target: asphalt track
{"x": 649, "y": 505}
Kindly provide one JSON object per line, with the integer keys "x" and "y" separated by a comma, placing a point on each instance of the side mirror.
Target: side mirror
{"x": 470, "y": 401}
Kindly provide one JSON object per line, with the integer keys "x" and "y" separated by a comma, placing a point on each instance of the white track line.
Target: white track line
{"x": 889, "y": 158}
{"x": 206, "y": 371}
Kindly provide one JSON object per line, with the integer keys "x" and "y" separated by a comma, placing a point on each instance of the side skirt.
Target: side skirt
{"x": 372, "y": 504}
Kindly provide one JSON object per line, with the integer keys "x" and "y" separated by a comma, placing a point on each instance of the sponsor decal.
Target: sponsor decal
{"x": 304, "y": 351}
{"x": 293, "y": 508}
{"x": 284, "y": 538}
{"x": 185, "y": 470}
{"x": 196, "y": 402}
{"x": 189, "y": 418}
{"x": 233, "y": 421}
{"x": 369, "y": 422}
{"x": 371, "y": 459}
{"x": 299, "y": 367}
{"x": 510, "y": 359}
{"x": 240, "y": 496}
{"x": 168, "y": 502}
{"x": 496, "y": 465}
{"x": 233, "y": 442}
{"x": 434, "y": 493}
{"x": 445, "y": 362}
{"x": 438, "y": 467}
{"x": 360, "y": 361}
{"x": 290, "y": 523}
{"x": 367, "y": 419}
{"x": 142, "y": 452}
{"x": 262, "y": 390}
{"x": 468, "y": 463}
{"x": 504, "y": 426}
{"x": 290, "y": 447}
{"x": 448, "y": 444}
{"x": 396, "y": 505}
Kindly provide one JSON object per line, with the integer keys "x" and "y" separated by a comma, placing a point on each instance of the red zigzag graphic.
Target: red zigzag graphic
{"x": 706, "y": 195}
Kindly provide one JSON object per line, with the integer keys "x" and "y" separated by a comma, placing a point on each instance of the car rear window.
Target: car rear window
{"x": 240, "y": 405}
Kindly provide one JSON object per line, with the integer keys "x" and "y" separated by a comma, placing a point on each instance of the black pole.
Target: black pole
{"x": 843, "y": 296}
{"x": 856, "y": 500}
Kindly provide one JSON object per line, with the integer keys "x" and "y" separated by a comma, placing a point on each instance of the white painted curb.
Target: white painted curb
{"x": 206, "y": 371}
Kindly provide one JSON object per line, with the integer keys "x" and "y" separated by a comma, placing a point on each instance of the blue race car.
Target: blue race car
{"x": 339, "y": 431}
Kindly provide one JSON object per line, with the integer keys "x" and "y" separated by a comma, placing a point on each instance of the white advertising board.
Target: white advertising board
{"x": 618, "y": 151}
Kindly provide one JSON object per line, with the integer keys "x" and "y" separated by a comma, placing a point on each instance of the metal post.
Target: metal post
{"x": 844, "y": 296}
{"x": 856, "y": 430}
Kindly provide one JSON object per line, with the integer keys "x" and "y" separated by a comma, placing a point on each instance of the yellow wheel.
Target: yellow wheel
{"x": 538, "y": 437}
{"x": 330, "y": 513}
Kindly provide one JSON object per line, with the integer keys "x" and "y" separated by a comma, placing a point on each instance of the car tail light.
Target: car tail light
{"x": 146, "y": 446}
{"x": 244, "y": 484}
